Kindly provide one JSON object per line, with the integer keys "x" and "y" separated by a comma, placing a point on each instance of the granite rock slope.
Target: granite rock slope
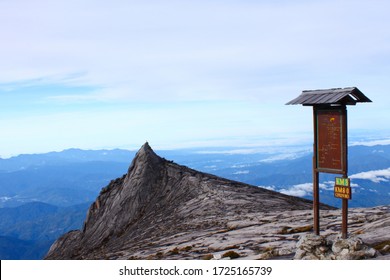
{"x": 160, "y": 209}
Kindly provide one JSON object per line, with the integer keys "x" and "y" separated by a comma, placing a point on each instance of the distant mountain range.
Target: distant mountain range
{"x": 63, "y": 179}
{"x": 76, "y": 176}
{"x": 17, "y": 249}
{"x": 44, "y": 195}
{"x": 27, "y": 231}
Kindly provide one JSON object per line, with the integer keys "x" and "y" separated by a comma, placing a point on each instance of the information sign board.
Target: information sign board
{"x": 330, "y": 148}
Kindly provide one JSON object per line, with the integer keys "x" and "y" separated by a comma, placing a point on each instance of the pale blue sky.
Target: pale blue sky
{"x": 113, "y": 74}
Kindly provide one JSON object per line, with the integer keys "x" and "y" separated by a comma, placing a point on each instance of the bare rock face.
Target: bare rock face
{"x": 159, "y": 203}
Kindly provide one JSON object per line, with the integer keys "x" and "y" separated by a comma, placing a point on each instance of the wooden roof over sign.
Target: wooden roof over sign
{"x": 346, "y": 96}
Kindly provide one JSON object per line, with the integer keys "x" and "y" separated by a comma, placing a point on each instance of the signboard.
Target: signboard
{"x": 343, "y": 182}
{"x": 342, "y": 188}
{"x": 330, "y": 142}
{"x": 331, "y": 150}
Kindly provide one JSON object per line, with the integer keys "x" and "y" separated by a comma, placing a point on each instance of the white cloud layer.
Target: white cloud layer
{"x": 241, "y": 172}
{"x": 299, "y": 190}
{"x": 375, "y": 176}
{"x": 371, "y": 143}
{"x": 271, "y": 188}
{"x": 305, "y": 189}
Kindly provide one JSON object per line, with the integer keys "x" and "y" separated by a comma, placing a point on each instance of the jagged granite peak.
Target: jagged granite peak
{"x": 158, "y": 200}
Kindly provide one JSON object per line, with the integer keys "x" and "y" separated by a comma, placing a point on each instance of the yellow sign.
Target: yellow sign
{"x": 342, "y": 188}
{"x": 342, "y": 192}
{"x": 342, "y": 182}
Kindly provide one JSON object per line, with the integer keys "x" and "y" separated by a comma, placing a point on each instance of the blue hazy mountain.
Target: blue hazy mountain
{"x": 59, "y": 178}
{"x": 16, "y": 249}
{"x": 27, "y": 231}
{"x": 40, "y": 221}
{"x": 69, "y": 156}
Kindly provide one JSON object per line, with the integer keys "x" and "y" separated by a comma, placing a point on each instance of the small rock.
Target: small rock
{"x": 344, "y": 252}
{"x": 371, "y": 252}
{"x": 300, "y": 254}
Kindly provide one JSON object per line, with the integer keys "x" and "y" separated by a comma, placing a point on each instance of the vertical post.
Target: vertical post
{"x": 344, "y": 226}
{"x": 316, "y": 192}
{"x": 316, "y": 203}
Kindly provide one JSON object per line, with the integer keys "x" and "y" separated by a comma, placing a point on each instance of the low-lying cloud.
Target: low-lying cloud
{"x": 376, "y": 176}
{"x": 306, "y": 189}
{"x": 299, "y": 190}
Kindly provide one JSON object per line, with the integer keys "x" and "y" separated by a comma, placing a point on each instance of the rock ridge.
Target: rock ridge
{"x": 160, "y": 203}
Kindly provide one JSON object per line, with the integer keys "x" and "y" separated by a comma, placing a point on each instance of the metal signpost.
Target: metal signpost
{"x": 330, "y": 149}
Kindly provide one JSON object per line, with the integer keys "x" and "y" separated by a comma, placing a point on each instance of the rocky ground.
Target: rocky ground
{"x": 266, "y": 236}
{"x": 161, "y": 210}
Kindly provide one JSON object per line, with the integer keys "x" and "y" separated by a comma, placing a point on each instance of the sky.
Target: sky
{"x": 114, "y": 74}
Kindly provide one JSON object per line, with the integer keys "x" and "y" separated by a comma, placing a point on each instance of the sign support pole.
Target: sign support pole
{"x": 316, "y": 203}
{"x": 344, "y": 226}
{"x": 316, "y": 191}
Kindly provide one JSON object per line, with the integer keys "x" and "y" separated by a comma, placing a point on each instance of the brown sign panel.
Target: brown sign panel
{"x": 330, "y": 145}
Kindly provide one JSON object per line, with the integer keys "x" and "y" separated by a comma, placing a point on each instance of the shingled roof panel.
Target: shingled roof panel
{"x": 349, "y": 96}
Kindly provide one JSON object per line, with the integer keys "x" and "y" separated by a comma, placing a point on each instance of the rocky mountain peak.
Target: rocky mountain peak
{"x": 157, "y": 200}
{"x": 145, "y": 164}
{"x": 146, "y": 153}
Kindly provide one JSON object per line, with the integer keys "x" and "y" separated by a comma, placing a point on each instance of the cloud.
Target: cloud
{"x": 299, "y": 190}
{"x": 241, "y": 172}
{"x": 305, "y": 189}
{"x": 375, "y": 176}
{"x": 327, "y": 186}
{"x": 284, "y": 156}
{"x": 278, "y": 148}
{"x": 244, "y": 151}
{"x": 271, "y": 188}
{"x": 5, "y": 198}
{"x": 173, "y": 50}
{"x": 371, "y": 143}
